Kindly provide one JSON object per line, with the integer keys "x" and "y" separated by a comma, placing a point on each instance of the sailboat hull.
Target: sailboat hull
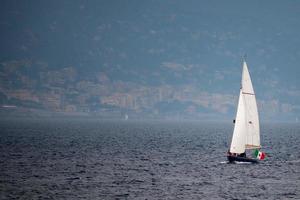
{"x": 233, "y": 159}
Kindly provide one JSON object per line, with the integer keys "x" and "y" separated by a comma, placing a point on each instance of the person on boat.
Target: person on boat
{"x": 243, "y": 155}
{"x": 235, "y": 154}
{"x": 229, "y": 153}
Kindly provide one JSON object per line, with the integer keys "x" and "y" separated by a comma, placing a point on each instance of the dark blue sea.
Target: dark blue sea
{"x": 96, "y": 159}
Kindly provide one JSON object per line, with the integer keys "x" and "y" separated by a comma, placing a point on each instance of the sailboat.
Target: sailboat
{"x": 246, "y": 133}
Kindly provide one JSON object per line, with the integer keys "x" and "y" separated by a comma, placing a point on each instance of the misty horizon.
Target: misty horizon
{"x": 152, "y": 60}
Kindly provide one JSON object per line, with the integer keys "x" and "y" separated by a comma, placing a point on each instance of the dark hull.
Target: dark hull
{"x": 233, "y": 159}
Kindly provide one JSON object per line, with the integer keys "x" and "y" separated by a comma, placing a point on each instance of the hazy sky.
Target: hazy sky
{"x": 156, "y": 43}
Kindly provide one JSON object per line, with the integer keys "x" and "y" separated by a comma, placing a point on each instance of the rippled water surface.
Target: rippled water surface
{"x": 93, "y": 159}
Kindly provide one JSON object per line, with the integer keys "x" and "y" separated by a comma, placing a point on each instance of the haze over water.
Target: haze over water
{"x": 93, "y": 159}
{"x": 149, "y": 59}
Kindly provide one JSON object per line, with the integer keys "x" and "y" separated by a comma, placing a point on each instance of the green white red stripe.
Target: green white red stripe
{"x": 259, "y": 154}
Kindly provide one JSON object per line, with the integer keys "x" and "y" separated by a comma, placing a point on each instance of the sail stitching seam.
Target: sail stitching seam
{"x": 248, "y": 93}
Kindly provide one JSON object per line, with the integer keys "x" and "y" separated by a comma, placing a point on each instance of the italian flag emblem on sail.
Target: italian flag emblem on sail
{"x": 259, "y": 154}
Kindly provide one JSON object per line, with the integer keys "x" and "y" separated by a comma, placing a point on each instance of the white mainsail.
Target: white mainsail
{"x": 246, "y": 130}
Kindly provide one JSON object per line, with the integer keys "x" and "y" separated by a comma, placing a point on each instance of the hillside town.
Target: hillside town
{"x": 62, "y": 91}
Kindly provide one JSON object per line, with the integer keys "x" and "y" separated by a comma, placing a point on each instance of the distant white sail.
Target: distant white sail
{"x": 246, "y": 130}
